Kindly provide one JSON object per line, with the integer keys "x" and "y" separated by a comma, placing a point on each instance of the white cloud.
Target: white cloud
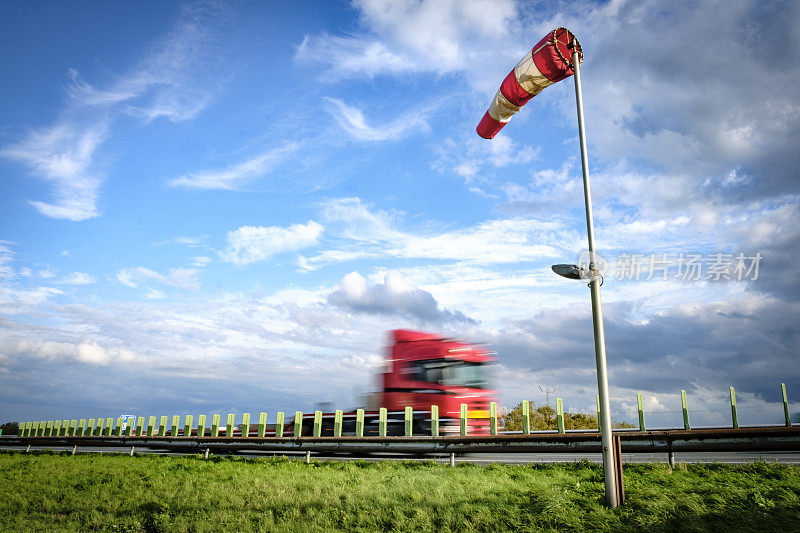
{"x": 63, "y": 155}
{"x": 352, "y": 120}
{"x": 235, "y": 176}
{"x": 394, "y": 296}
{"x": 166, "y": 83}
{"x": 78, "y": 278}
{"x": 85, "y": 352}
{"x": 496, "y": 241}
{"x": 249, "y": 244}
{"x": 401, "y": 37}
{"x": 181, "y": 278}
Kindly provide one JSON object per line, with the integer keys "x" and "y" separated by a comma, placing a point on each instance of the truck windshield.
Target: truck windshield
{"x": 452, "y": 373}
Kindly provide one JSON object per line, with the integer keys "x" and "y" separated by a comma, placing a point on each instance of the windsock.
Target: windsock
{"x": 548, "y": 62}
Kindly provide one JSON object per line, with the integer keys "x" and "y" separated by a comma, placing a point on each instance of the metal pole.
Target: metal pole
{"x": 609, "y": 466}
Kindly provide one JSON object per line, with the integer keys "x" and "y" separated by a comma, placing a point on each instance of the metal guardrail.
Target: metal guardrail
{"x": 770, "y": 438}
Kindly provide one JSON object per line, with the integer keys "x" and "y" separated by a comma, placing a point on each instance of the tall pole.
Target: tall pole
{"x": 609, "y": 465}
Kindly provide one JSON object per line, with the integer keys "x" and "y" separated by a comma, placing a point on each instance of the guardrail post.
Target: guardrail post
{"x": 73, "y": 428}
{"x": 151, "y": 426}
{"x": 359, "y": 422}
{"x": 337, "y": 423}
{"x": 526, "y": 417}
{"x": 140, "y": 426}
{"x": 176, "y": 421}
{"x": 229, "y": 425}
{"x": 382, "y": 422}
{"x": 493, "y": 418}
{"x": 215, "y": 426}
{"x": 118, "y": 429}
{"x": 39, "y": 429}
{"x": 245, "y": 425}
{"x": 298, "y": 424}
{"x": 35, "y": 429}
{"x": 201, "y": 425}
{"x": 785, "y": 405}
{"x": 317, "y": 423}
{"x": 101, "y": 424}
{"x": 463, "y": 419}
{"x": 640, "y": 404}
{"x": 49, "y": 430}
{"x": 187, "y": 426}
{"x": 409, "y": 421}
{"x": 560, "y": 415}
{"x": 434, "y": 420}
{"x": 42, "y": 427}
{"x": 279, "y": 424}
{"x": 162, "y": 426}
{"x": 734, "y": 415}
{"x": 64, "y": 428}
{"x": 685, "y": 410}
{"x": 262, "y": 425}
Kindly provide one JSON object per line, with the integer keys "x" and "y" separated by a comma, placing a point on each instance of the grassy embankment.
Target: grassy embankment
{"x": 150, "y": 493}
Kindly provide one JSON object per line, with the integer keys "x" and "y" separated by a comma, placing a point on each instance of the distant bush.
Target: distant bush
{"x": 544, "y": 418}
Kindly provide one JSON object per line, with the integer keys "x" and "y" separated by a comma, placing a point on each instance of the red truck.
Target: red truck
{"x": 425, "y": 369}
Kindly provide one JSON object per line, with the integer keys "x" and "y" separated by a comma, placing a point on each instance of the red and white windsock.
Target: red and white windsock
{"x": 548, "y": 62}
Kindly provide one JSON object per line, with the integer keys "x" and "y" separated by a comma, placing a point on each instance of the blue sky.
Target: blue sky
{"x": 222, "y": 207}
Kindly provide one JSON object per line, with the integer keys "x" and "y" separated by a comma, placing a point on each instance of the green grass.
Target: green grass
{"x": 151, "y": 493}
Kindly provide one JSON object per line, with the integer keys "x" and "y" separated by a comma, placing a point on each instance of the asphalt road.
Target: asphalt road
{"x": 488, "y": 458}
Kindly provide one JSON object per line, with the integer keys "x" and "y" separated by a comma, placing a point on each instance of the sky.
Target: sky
{"x": 223, "y": 207}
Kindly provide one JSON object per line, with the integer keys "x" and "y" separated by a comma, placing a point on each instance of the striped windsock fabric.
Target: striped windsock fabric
{"x": 548, "y": 62}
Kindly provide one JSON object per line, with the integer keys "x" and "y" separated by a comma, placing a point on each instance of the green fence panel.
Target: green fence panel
{"x": 434, "y": 420}
{"x": 42, "y": 427}
{"x": 359, "y": 422}
{"x": 493, "y": 418}
{"x": 35, "y": 429}
{"x": 215, "y": 425}
{"x": 229, "y": 425}
{"x": 139, "y": 426}
{"x": 409, "y": 421}
{"x": 298, "y": 423}
{"x": 109, "y": 426}
{"x": 279, "y": 420}
{"x": 65, "y": 428}
{"x": 82, "y": 427}
{"x": 151, "y": 426}
{"x": 49, "y": 430}
{"x": 685, "y": 410}
{"x": 245, "y": 425}
{"x": 262, "y": 425}
{"x": 337, "y": 423}
{"x": 788, "y": 420}
{"x": 162, "y": 426}
{"x": 176, "y": 422}
{"x": 201, "y": 426}
{"x": 640, "y": 405}
{"x": 187, "y": 426}
{"x": 560, "y": 415}
{"x": 382, "y": 422}
{"x": 73, "y": 427}
{"x": 101, "y": 426}
{"x": 526, "y": 417}
{"x": 118, "y": 429}
{"x": 317, "y": 423}
{"x": 39, "y": 429}
{"x": 464, "y": 420}
{"x": 734, "y": 414}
